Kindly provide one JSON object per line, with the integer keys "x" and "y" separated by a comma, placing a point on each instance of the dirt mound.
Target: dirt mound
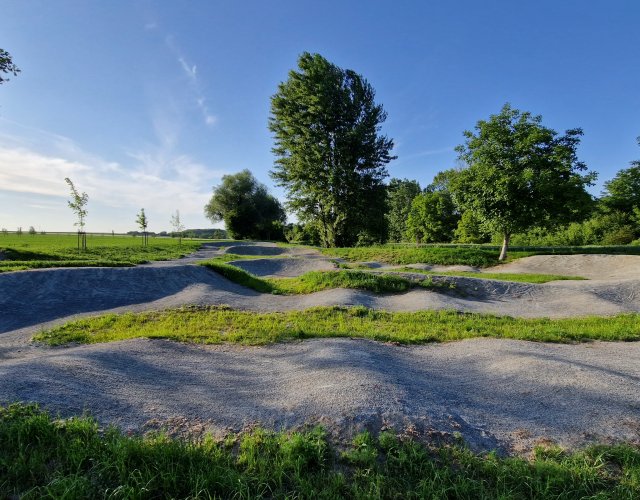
{"x": 283, "y": 267}
{"x": 31, "y": 298}
{"x": 595, "y": 267}
{"x": 496, "y": 393}
{"x": 255, "y": 250}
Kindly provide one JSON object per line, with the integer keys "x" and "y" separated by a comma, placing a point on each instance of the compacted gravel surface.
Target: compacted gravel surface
{"x": 500, "y": 394}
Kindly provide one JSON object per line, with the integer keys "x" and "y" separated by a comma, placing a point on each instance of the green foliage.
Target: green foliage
{"x": 602, "y": 228}
{"x": 432, "y": 218}
{"x": 521, "y": 174}
{"x": 214, "y": 325}
{"x": 45, "y": 457}
{"x": 307, "y": 234}
{"x": 330, "y": 156}
{"x": 622, "y": 193}
{"x": 77, "y": 204}
{"x": 143, "y": 222}
{"x": 7, "y": 66}
{"x": 246, "y": 208}
{"x": 42, "y": 251}
{"x": 470, "y": 230}
{"x": 400, "y": 195}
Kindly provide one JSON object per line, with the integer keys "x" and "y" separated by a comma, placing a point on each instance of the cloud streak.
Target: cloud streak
{"x": 190, "y": 70}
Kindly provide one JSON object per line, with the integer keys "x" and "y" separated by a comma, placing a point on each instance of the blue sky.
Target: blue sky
{"x": 148, "y": 103}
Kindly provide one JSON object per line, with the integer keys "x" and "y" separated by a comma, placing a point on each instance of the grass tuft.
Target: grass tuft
{"x": 44, "y": 457}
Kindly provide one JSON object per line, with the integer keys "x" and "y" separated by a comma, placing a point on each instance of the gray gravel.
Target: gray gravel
{"x": 284, "y": 267}
{"x": 497, "y": 393}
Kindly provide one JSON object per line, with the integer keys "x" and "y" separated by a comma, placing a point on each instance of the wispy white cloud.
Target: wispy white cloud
{"x": 154, "y": 180}
{"x": 190, "y": 70}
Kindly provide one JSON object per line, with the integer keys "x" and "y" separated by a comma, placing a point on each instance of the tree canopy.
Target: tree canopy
{"x": 330, "y": 155}
{"x": 623, "y": 191}
{"x": 246, "y": 207}
{"x": 520, "y": 174}
{"x": 7, "y": 66}
{"x": 432, "y": 218}
{"x": 400, "y": 195}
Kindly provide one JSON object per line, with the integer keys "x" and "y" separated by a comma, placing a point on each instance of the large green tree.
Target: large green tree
{"x": 330, "y": 155}
{"x": 7, "y": 66}
{"x": 246, "y": 207}
{"x": 432, "y": 218}
{"x": 400, "y": 195}
{"x": 520, "y": 174}
{"x": 622, "y": 193}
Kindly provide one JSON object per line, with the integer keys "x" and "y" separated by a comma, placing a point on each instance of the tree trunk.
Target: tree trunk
{"x": 505, "y": 247}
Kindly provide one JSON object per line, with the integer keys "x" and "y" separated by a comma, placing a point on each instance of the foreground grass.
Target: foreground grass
{"x": 513, "y": 277}
{"x": 479, "y": 256}
{"x": 46, "y": 457}
{"x": 213, "y": 325}
{"x": 41, "y": 251}
{"x": 316, "y": 281}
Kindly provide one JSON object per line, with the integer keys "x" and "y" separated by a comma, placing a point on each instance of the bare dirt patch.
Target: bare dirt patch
{"x": 283, "y": 267}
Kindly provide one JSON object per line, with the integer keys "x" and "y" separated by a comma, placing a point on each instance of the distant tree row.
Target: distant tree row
{"x": 518, "y": 180}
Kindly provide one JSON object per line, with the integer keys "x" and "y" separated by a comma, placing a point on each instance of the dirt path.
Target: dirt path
{"x": 496, "y": 393}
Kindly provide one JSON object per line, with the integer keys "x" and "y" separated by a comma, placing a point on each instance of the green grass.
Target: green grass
{"x": 213, "y": 325}
{"x": 402, "y": 254}
{"x": 40, "y": 251}
{"x": 515, "y": 277}
{"x": 46, "y": 457}
{"x": 316, "y": 281}
{"x": 472, "y": 255}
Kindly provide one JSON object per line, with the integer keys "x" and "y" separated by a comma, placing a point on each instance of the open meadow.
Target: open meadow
{"x": 35, "y": 251}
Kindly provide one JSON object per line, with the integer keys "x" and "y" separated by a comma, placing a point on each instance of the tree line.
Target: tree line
{"x": 517, "y": 180}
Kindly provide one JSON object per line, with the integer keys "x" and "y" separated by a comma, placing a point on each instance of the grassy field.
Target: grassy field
{"x": 316, "y": 281}
{"x": 46, "y": 457}
{"x": 479, "y": 256}
{"x": 39, "y": 251}
{"x": 214, "y": 325}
